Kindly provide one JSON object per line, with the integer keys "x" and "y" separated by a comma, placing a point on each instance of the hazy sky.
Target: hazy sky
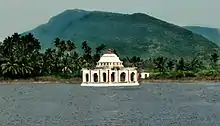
{"x": 22, "y": 15}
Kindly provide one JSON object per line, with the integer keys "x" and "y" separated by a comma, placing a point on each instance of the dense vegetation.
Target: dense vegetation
{"x": 130, "y": 34}
{"x": 20, "y": 57}
{"x": 213, "y": 34}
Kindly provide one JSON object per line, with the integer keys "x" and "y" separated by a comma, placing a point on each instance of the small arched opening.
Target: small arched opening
{"x": 113, "y": 76}
{"x": 145, "y": 76}
{"x": 132, "y": 76}
{"x": 95, "y": 77}
{"x": 104, "y": 77}
{"x": 122, "y": 77}
{"x": 87, "y": 77}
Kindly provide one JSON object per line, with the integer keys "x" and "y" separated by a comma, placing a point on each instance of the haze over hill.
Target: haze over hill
{"x": 130, "y": 34}
{"x": 213, "y": 34}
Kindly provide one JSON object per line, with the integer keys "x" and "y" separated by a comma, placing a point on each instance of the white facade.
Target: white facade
{"x": 110, "y": 71}
{"x": 144, "y": 75}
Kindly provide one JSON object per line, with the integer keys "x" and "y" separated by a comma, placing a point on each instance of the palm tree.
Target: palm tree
{"x": 181, "y": 65}
{"x": 25, "y": 69}
{"x": 67, "y": 66}
{"x": 7, "y": 47}
{"x": 214, "y": 59}
{"x": 87, "y": 51}
{"x": 170, "y": 65}
{"x": 135, "y": 61}
{"x": 10, "y": 68}
{"x": 99, "y": 50}
{"x": 63, "y": 47}
{"x": 160, "y": 64}
{"x": 57, "y": 43}
{"x": 70, "y": 46}
{"x": 195, "y": 64}
{"x": 37, "y": 63}
{"x": 49, "y": 61}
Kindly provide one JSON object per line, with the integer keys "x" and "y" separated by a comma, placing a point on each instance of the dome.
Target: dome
{"x": 110, "y": 58}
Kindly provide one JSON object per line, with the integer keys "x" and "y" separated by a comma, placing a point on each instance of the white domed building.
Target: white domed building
{"x": 110, "y": 71}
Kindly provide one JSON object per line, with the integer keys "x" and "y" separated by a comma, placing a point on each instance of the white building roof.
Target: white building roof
{"x": 110, "y": 58}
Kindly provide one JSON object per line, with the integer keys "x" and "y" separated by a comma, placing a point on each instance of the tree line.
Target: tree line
{"x": 21, "y": 57}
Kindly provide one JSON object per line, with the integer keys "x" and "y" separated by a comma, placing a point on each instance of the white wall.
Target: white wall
{"x": 145, "y": 75}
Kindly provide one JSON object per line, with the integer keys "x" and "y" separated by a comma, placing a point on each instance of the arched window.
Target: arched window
{"x": 132, "y": 76}
{"x": 87, "y": 77}
{"x": 122, "y": 77}
{"x": 113, "y": 76}
{"x": 95, "y": 76}
{"x": 104, "y": 77}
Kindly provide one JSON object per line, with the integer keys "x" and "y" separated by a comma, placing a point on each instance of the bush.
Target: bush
{"x": 189, "y": 74}
{"x": 176, "y": 74}
{"x": 211, "y": 72}
{"x": 158, "y": 75}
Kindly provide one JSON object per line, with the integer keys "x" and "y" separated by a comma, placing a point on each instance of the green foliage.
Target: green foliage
{"x": 214, "y": 59}
{"x": 210, "y": 72}
{"x": 176, "y": 74}
{"x": 170, "y": 65}
{"x": 160, "y": 63}
{"x": 189, "y": 74}
{"x": 20, "y": 57}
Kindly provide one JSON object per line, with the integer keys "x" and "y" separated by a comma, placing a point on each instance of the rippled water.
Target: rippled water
{"x": 149, "y": 104}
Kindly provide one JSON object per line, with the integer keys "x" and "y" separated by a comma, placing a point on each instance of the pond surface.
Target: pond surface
{"x": 149, "y": 104}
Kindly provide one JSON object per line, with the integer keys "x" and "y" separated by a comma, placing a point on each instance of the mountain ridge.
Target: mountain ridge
{"x": 213, "y": 34}
{"x": 134, "y": 34}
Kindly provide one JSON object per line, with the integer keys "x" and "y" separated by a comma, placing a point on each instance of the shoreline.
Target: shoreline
{"x": 53, "y": 80}
{"x": 77, "y": 80}
{"x": 178, "y": 81}
{"x": 42, "y": 80}
{"x": 183, "y": 80}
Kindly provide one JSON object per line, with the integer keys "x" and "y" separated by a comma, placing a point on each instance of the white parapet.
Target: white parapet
{"x": 145, "y": 75}
{"x": 109, "y": 84}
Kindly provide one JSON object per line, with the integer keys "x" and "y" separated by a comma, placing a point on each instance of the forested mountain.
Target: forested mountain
{"x": 130, "y": 34}
{"x": 213, "y": 34}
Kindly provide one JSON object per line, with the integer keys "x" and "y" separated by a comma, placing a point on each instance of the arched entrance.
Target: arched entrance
{"x": 113, "y": 76}
{"x": 122, "y": 77}
{"x": 104, "y": 77}
{"x": 95, "y": 77}
{"x": 87, "y": 77}
{"x": 145, "y": 76}
{"x": 132, "y": 76}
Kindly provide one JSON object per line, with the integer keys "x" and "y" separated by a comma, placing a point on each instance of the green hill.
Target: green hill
{"x": 213, "y": 34}
{"x": 130, "y": 34}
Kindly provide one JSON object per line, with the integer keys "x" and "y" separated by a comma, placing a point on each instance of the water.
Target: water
{"x": 147, "y": 105}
